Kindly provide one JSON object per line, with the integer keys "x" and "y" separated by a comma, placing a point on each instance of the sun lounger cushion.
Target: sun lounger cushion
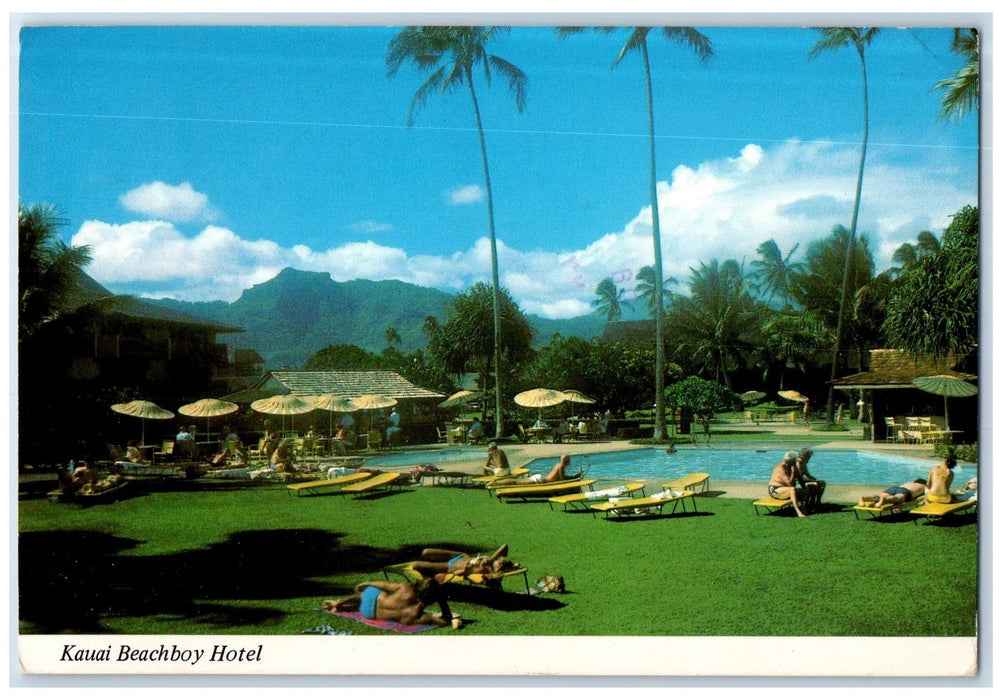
{"x": 543, "y": 490}
{"x": 637, "y": 506}
{"x": 771, "y": 504}
{"x": 690, "y": 481}
{"x": 583, "y": 499}
{"x": 321, "y": 485}
{"x": 376, "y": 481}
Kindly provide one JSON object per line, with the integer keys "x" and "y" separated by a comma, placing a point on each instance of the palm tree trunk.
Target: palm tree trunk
{"x": 849, "y": 246}
{"x": 495, "y": 282}
{"x": 659, "y": 379}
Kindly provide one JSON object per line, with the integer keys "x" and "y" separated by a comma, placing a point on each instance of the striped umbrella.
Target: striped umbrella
{"x": 208, "y": 408}
{"x": 283, "y": 405}
{"x": 143, "y": 410}
{"x": 332, "y": 404}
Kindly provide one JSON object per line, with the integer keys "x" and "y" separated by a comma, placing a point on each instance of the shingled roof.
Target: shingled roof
{"x": 345, "y": 384}
{"x": 895, "y": 369}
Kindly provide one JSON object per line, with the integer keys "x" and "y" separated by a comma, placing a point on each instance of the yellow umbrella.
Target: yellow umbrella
{"x": 332, "y": 404}
{"x": 208, "y": 408}
{"x": 283, "y": 405}
{"x": 460, "y": 397}
{"x": 371, "y": 402}
{"x": 143, "y": 410}
{"x": 793, "y": 395}
{"x": 575, "y": 396}
{"x": 540, "y": 398}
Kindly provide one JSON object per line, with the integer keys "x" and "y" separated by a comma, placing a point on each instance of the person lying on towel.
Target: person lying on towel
{"x": 558, "y": 473}
{"x": 895, "y": 494}
{"x": 445, "y": 561}
{"x": 396, "y": 602}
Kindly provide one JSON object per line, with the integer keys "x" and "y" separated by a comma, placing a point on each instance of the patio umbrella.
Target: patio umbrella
{"x": 459, "y": 398}
{"x": 208, "y": 408}
{"x": 945, "y": 385}
{"x": 574, "y": 396}
{"x": 540, "y": 398}
{"x": 751, "y": 396}
{"x": 332, "y": 404}
{"x": 283, "y": 405}
{"x": 143, "y": 410}
{"x": 371, "y": 402}
{"x": 793, "y": 395}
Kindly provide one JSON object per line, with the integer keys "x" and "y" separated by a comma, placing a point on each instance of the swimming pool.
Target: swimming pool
{"x": 834, "y": 466}
{"x": 407, "y": 458}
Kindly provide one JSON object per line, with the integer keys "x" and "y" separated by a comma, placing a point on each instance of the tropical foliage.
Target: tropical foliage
{"x": 961, "y": 91}
{"x": 609, "y": 301}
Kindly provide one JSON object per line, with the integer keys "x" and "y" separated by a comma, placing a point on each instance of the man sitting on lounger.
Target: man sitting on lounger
{"x": 895, "y": 494}
{"x": 396, "y": 602}
{"x": 815, "y": 486}
{"x": 783, "y": 482}
{"x": 558, "y": 473}
{"x": 445, "y": 561}
{"x": 497, "y": 461}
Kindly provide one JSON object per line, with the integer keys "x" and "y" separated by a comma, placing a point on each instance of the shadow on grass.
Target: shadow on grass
{"x": 656, "y": 516}
{"x": 498, "y": 600}
{"x": 957, "y": 520}
{"x": 75, "y": 581}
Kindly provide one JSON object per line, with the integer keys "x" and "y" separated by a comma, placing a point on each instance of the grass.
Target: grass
{"x": 207, "y": 558}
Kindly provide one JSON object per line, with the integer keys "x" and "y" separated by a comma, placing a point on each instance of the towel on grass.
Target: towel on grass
{"x": 385, "y": 624}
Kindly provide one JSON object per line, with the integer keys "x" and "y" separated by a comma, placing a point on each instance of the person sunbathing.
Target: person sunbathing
{"x": 396, "y": 602}
{"x": 445, "y": 561}
{"x": 895, "y": 494}
{"x": 783, "y": 482}
{"x": 558, "y": 473}
{"x": 940, "y": 478}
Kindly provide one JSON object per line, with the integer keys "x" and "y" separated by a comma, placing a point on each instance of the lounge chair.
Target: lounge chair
{"x": 892, "y": 508}
{"x": 941, "y": 510}
{"x": 646, "y": 506}
{"x": 581, "y": 501}
{"x": 690, "y": 482}
{"x": 487, "y": 479}
{"x": 491, "y": 580}
{"x": 525, "y": 492}
{"x": 376, "y": 481}
{"x": 313, "y": 488}
{"x": 771, "y": 505}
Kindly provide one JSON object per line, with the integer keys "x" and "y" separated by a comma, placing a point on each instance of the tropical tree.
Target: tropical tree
{"x": 774, "y": 272}
{"x": 833, "y": 39}
{"x": 908, "y": 255}
{"x": 645, "y": 289}
{"x": 46, "y": 267}
{"x": 609, "y": 300}
{"x": 637, "y": 42}
{"x": 961, "y": 90}
{"x": 392, "y": 336}
{"x": 790, "y": 340}
{"x": 702, "y": 397}
{"x": 934, "y": 305}
{"x": 450, "y": 54}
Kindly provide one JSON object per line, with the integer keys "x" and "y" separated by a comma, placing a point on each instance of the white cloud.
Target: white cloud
{"x": 170, "y": 202}
{"x": 792, "y": 192}
{"x": 466, "y": 194}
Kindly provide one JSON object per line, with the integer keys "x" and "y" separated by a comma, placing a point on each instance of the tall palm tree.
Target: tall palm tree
{"x": 645, "y": 289}
{"x": 833, "y": 39}
{"x": 637, "y": 41}
{"x": 609, "y": 300}
{"x": 961, "y": 90}
{"x": 908, "y": 255}
{"x": 775, "y": 272}
{"x": 46, "y": 267}
{"x": 451, "y": 53}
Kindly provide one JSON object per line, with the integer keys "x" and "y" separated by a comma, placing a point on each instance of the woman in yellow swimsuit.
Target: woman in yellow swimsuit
{"x": 940, "y": 478}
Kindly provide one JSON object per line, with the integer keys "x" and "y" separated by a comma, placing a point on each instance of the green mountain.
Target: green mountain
{"x": 294, "y": 314}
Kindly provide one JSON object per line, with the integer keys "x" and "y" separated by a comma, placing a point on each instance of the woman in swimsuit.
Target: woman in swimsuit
{"x": 445, "y": 561}
{"x": 940, "y": 478}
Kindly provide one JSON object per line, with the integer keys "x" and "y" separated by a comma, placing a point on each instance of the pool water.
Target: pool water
{"x": 406, "y": 458}
{"x": 834, "y": 466}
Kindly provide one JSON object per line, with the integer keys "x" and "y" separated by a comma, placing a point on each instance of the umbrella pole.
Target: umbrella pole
{"x": 946, "y": 412}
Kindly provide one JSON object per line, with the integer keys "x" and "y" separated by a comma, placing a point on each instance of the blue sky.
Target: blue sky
{"x": 197, "y": 161}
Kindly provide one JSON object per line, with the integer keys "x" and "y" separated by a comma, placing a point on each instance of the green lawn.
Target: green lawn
{"x": 205, "y": 558}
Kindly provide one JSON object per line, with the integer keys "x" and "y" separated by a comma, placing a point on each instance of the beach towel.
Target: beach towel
{"x": 385, "y": 624}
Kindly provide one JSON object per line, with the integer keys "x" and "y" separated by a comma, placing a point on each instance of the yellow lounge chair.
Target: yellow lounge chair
{"x": 494, "y": 581}
{"x": 893, "y": 508}
{"x": 771, "y": 504}
{"x": 941, "y": 510}
{"x": 488, "y": 479}
{"x": 313, "y": 488}
{"x": 690, "y": 482}
{"x": 376, "y": 481}
{"x": 582, "y": 500}
{"x": 544, "y": 490}
{"x": 645, "y": 506}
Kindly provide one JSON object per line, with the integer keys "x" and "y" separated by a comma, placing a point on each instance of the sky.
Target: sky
{"x": 197, "y": 161}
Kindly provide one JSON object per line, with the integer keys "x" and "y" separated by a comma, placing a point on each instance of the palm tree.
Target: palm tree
{"x": 960, "y": 91}
{"x": 834, "y": 38}
{"x": 775, "y": 272}
{"x": 451, "y": 53}
{"x": 46, "y": 267}
{"x": 392, "y": 336}
{"x": 645, "y": 289}
{"x": 908, "y": 255}
{"x": 637, "y": 41}
{"x": 609, "y": 300}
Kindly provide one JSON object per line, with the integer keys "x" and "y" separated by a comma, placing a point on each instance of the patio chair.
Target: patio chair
{"x": 892, "y": 429}
{"x": 376, "y": 481}
{"x": 442, "y": 435}
{"x": 373, "y": 440}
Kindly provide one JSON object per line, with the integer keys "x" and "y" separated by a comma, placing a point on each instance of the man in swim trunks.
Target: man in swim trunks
{"x": 446, "y": 561}
{"x": 895, "y": 494}
{"x": 558, "y": 473}
{"x": 497, "y": 461}
{"x": 815, "y": 487}
{"x": 783, "y": 482}
{"x": 396, "y": 602}
{"x": 940, "y": 478}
